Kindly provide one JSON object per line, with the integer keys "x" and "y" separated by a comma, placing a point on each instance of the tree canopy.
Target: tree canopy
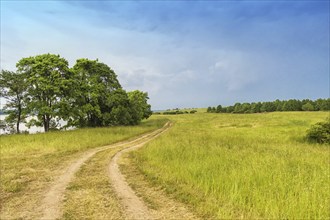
{"x": 86, "y": 95}
{"x": 13, "y": 88}
{"x": 95, "y": 88}
{"x": 49, "y": 79}
{"x": 139, "y": 106}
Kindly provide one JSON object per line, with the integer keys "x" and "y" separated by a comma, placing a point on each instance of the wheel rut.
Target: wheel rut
{"x": 134, "y": 207}
{"x": 51, "y": 205}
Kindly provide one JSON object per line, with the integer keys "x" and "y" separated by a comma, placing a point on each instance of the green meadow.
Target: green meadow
{"x": 29, "y": 163}
{"x": 242, "y": 165}
{"x": 223, "y": 166}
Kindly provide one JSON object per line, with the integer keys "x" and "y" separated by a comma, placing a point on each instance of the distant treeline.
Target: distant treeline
{"x": 277, "y": 105}
{"x": 86, "y": 95}
{"x": 175, "y": 112}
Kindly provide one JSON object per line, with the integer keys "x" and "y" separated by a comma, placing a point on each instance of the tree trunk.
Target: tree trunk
{"x": 46, "y": 122}
{"x": 19, "y": 112}
{"x": 17, "y": 123}
{"x": 17, "y": 127}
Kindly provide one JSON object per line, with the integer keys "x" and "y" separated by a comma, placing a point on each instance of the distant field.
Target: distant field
{"x": 29, "y": 163}
{"x": 242, "y": 166}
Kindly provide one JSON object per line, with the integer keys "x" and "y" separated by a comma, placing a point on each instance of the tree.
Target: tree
{"x": 96, "y": 84}
{"x": 278, "y": 105}
{"x": 139, "y": 106}
{"x": 308, "y": 107}
{"x": 322, "y": 104}
{"x": 292, "y": 105}
{"x": 255, "y": 107}
{"x": 238, "y": 108}
{"x": 13, "y": 88}
{"x": 246, "y": 108}
{"x": 268, "y": 107}
{"x": 219, "y": 109}
{"x": 118, "y": 112}
{"x": 211, "y": 110}
{"x": 230, "y": 109}
{"x": 49, "y": 82}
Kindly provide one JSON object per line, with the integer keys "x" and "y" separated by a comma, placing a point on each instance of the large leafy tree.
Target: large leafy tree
{"x": 96, "y": 84}
{"x": 140, "y": 109}
{"x": 13, "y": 88}
{"x": 118, "y": 109}
{"x": 49, "y": 85}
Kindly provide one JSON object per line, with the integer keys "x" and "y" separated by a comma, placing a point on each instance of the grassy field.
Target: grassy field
{"x": 29, "y": 163}
{"x": 242, "y": 166}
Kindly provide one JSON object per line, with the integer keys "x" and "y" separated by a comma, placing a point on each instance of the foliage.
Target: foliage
{"x": 49, "y": 81}
{"x": 7, "y": 127}
{"x": 277, "y": 105}
{"x": 120, "y": 111}
{"x": 320, "y": 132}
{"x": 177, "y": 111}
{"x": 13, "y": 88}
{"x": 88, "y": 95}
{"x": 139, "y": 107}
{"x": 308, "y": 107}
{"x": 96, "y": 84}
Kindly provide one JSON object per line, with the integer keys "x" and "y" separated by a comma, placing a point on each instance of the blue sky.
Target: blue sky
{"x": 183, "y": 53}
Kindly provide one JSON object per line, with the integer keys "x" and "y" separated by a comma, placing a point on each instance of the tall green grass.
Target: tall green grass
{"x": 243, "y": 166}
{"x": 29, "y": 163}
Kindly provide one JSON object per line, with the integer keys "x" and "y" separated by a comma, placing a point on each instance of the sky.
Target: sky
{"x": 183, "y": 53}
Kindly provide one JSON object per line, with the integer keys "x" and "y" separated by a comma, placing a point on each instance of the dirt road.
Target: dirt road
{"x": 133, "y": 205}
{"x": 51, "y": 205}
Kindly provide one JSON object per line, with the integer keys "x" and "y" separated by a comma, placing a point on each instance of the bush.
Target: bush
{"x": 320, "y": 132}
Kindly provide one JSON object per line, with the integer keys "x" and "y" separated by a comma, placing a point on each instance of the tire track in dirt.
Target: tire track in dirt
{"x": 134, "y": 207}
{"x": 51, "y": 205}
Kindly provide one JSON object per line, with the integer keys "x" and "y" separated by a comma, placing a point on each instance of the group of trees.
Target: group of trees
{"x": 86, "y": 95}
{"x": 178, "y": 112}
{"x": 277, "y": 105}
